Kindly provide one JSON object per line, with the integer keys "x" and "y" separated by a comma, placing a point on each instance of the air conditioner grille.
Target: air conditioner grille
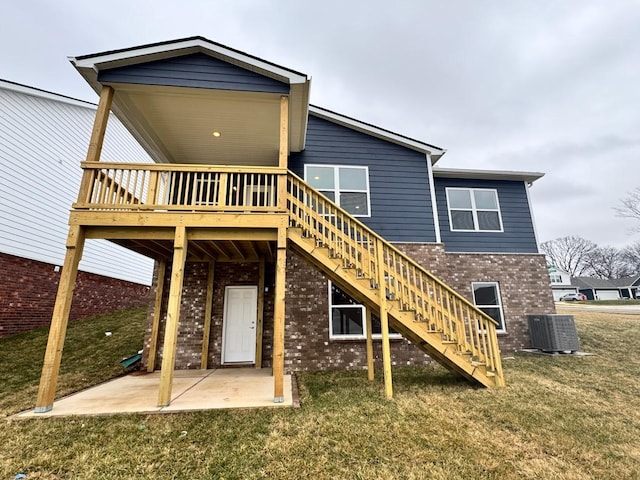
{"x": 553, "y": 333}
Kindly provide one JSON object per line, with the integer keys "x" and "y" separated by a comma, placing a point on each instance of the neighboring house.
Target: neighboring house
{"x": 43, "y": 138}
{"x": 292, "y": 237}
{"x": 560, "y": 282}
{"x": 608, "y": 289}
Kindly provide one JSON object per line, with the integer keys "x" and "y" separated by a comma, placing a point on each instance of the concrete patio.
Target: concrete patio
{"x": 192, "y": 390}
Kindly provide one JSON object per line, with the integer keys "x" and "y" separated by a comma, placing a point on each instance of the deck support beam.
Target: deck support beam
{"x": 260, "y": 314}
{"x": 173, "y": 316}
{"x": 157, "y": 315}
{"x": 384, "y": 321}
{"x": 278, "y": 317}
{"x": 204, "y": 359}
{"x": 370, "y": 363}
{"x": 59, "y": 320}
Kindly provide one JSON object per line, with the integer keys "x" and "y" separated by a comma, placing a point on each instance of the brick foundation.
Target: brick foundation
{"x": 523, "y": 279}
{"x": 523, "y": 283}
{"x": 28, "y": 291}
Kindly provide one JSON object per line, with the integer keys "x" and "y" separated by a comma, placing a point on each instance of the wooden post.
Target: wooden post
{"x": 173, "y": 316}
{"x": 260, "y": 315}
{"x": 204, "y": 360}
{"x": 370, "y": 367}
{"x": 100, "y": 124}
{"x": 278, "y": 317}
{"x": 283, "y": 155}
{"x": 59, "y": 320}
{"x": 97, "y": 138}
{"x": 157, "y": 315}
{"x": 384, "y": 322}
{"x": 284, "y": 132}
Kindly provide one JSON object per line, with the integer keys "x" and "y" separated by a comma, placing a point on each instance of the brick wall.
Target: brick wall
{"x": 307, "y": 343}
{"x": 192, "y": 308}
{"x": 28, "y": 291}
{"x": 523, "y": 279}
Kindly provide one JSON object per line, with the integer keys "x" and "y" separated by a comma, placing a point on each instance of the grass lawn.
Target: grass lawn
{"x": 558, "y": 418}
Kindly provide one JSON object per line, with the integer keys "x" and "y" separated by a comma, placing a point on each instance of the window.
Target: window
{"x": 486, "y": 296}
{"x": 347, "y": 318}
{"x": 474, "y": 210}
{"x": 347, "y": 186}
{"x": 555, "y": 278}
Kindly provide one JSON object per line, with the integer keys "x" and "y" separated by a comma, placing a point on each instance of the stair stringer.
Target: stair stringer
{"x": 404, "y": 322}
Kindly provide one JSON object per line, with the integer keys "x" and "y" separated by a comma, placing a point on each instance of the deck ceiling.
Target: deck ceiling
{"x": 205, "y": 250}
{"x": 179, "y": 123}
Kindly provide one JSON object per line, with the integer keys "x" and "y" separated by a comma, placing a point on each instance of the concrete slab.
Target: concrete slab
{"x": 192, "y": 390}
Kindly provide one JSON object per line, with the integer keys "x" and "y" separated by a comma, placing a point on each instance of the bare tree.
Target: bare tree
{"x": 631, "y": 255}
{"x": 608, "y": 262}
{"x": 629, "y": 206}
{"x": 570, "y": 254}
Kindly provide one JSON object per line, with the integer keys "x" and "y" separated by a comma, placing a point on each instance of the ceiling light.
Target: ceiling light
{"x": 316, "y": 178}
{"x": 216, "y": 134}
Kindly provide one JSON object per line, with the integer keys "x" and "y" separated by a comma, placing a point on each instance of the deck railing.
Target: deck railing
{"x": 441, "y": 308}
{"x": 181, "y": 187}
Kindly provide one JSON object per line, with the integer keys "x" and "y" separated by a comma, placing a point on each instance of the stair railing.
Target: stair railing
{"x": 407, "y": 283}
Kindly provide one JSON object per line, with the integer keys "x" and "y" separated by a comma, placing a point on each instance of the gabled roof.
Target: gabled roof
{"x": 369, "y": 129}
{"x": 90, "y": 66}
{"x": 614, "y": 283}
{"x": 184, "y": 46}
{"x": 528, "y": 177}
{"x": 626, "y": 281}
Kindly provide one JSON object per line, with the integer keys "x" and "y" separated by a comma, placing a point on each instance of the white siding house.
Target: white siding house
{"x": 43, "y": 139}
{"x": 560, "y": 282}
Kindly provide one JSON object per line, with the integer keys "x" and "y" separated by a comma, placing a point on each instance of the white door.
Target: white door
{"x": 239, "y": 324}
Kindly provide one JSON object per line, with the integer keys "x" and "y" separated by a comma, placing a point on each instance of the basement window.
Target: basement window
{"x": 346, "y": 186}
{"x": 347, "y": 318}
{"x": 486, "y": 296}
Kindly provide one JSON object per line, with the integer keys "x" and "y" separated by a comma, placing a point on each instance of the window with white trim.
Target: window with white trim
{"x": 486, "y": 296}
{"x": 347, "y": 317}
{"x": 555, "y": 278}
{"x": 347, "y": 186}
{"x": 474, "y": 210}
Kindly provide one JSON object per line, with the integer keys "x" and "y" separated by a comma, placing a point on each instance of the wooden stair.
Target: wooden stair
{"x": 427, "y": 312}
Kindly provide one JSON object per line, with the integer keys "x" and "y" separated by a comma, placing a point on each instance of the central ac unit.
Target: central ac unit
{"x": 553, "y": 333}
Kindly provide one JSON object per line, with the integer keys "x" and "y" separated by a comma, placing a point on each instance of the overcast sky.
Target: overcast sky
{"x": 539, "y": 85}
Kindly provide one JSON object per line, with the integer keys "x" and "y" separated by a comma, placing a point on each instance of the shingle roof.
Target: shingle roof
{"x": 590, "y": 282}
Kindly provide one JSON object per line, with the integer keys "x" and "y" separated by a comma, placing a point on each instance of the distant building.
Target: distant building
{"x": 560, "y": 282}
{"x": 608, "y": 289}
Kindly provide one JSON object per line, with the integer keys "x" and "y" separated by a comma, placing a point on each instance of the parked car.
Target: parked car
{"x": 573, "y": 297}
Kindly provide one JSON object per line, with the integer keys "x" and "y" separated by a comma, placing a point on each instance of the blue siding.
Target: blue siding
{"x": 518, "y": 235}
{"x": 398, "y": 178}
{"x": 196, "y": 70}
